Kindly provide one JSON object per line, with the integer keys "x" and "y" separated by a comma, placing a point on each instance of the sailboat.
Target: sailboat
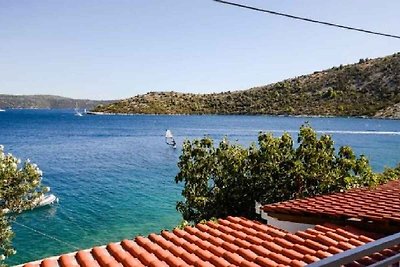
{"x": 77, "y": 113}
{"x": 169, "y": 139}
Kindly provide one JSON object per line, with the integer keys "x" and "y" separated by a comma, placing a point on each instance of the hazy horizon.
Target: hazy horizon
{"x": 33, "y": 94}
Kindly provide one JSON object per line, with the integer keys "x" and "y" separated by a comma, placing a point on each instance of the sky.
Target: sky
{"x": 116, "y": 49}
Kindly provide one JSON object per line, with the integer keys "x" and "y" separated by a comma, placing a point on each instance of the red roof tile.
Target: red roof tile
{"x": 380, "y": 204}
{"x": 230, "y": 242}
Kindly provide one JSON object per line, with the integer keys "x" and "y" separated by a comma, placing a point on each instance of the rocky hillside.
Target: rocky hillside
{"x": 46, "y": 101}
{"x": 370, "y": 87}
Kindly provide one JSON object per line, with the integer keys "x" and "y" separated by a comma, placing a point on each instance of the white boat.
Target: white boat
{"x": 169, "y": 139}
{"x": 47, "y": 199}
{"x": 77, "y": 113}
{"x": 2, "y": 110}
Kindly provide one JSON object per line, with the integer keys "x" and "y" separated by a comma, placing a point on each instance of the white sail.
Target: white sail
{"x": 77, "y": 113}
{"x": 168, "y": 134}
{"x": 169, "y": 139}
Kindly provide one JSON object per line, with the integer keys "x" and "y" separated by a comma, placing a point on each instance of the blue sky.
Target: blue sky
{"x": 117, "y": 49}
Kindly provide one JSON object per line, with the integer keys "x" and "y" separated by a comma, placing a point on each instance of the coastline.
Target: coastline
{"x": 99, "y": 113}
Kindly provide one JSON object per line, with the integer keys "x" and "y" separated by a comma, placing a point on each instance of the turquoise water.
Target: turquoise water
{"x": 114, "y": 175}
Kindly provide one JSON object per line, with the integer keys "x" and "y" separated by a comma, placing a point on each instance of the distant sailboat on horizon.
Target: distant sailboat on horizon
{"x": 77, "y": 113}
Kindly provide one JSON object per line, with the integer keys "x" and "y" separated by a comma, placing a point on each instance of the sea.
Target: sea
{"x": 114, "y": 175}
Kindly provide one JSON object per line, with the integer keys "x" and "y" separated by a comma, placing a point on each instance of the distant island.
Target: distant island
{"x": 368, "y": 88}
{"x": 46, "y": 101}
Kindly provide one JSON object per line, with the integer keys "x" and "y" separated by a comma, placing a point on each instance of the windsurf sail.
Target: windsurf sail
{"x": 169, "y": 138}
{"x": 168, "y": 134}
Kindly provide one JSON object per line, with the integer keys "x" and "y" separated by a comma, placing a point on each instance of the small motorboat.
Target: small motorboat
{"x": 47, "y": 199}
{"x": 44, "y": 200}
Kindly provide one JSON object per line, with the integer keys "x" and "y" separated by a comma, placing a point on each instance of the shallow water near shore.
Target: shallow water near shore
{"x": 114, "y": 175}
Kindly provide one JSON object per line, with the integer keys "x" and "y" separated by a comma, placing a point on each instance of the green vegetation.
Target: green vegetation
{"x": 228, "y": 179}
{"x": 19, "y": 190}
{"x": 45, "y": 101}
{"x": 362, "y": 89}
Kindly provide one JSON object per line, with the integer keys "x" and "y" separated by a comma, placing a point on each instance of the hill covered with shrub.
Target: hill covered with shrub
{"x": 370, "y": 87}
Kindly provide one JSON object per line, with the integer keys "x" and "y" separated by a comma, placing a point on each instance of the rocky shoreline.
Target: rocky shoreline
{"x": 282, "y": 115}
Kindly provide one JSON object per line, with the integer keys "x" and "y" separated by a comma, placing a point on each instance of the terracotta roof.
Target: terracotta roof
{"x": 380, "y": 205}
{"x": 230, "y": 242}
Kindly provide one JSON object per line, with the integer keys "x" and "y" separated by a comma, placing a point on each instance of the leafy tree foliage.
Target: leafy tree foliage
{"x": 19, "y": 190}
{"x": 227, "y": 179}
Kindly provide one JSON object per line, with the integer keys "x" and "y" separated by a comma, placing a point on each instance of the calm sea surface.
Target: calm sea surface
{"x": 114, "y": 175}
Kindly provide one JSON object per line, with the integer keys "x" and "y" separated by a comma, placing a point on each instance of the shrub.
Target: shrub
{"x": 227, "y": 179}
{"x": 330, "y": 93}
{"x": 19, "y": 190}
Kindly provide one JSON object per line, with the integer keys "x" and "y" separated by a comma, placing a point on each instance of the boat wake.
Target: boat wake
{"x": 343, "y": 132}
{"x": 367, "y": 132}
{"x": 361, "y": 132}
